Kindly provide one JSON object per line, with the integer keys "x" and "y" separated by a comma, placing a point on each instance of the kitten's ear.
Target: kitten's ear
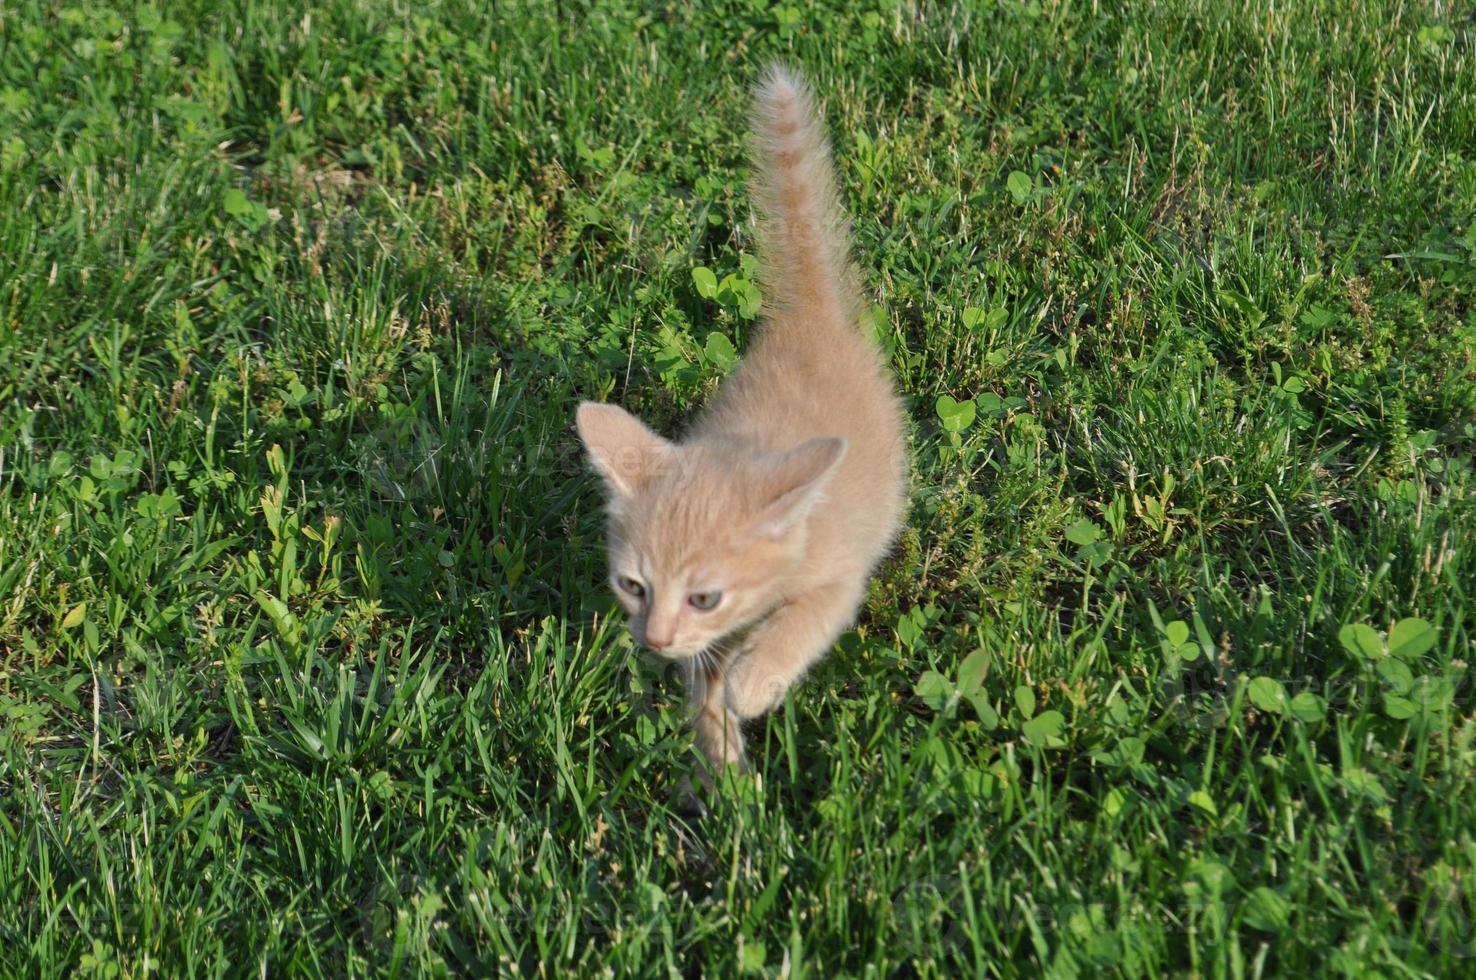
{"x": 624, "y": 450}
{"x": 798, "y": 484}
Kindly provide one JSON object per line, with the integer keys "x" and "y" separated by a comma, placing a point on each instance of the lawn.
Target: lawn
{"x": 307, "y": 662}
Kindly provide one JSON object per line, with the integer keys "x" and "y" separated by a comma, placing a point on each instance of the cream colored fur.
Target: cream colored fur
{"x": 789, "y": 488}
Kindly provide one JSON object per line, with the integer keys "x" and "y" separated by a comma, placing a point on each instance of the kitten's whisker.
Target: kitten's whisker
{"x": 689, "y": 675}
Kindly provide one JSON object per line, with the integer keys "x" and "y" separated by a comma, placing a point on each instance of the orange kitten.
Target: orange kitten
{"x": 744, "y": 549}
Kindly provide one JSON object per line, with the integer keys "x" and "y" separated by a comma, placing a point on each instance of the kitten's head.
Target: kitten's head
{"x": 703, "y": 536}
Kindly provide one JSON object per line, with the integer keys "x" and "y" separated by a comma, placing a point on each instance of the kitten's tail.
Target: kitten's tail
{"x": 803, "y": 233}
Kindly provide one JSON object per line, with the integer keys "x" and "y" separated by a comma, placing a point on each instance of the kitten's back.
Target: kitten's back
{"x": 812, "y": 370}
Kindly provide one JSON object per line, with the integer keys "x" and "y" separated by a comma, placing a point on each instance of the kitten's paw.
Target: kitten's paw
{"x": 689, "y": 800}
{"x": 752, "y": 691}
{"x": 719, "y": 755}
{"x": 719, "y": 738}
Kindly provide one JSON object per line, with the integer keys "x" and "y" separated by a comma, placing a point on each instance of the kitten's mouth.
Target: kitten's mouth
{"x": 673, "y": 653}
{"x": 718, "y": 649}
{"x": 676, "y": 652}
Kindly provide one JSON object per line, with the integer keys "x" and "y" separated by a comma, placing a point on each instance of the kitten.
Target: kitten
{"x": 744, "y": 549}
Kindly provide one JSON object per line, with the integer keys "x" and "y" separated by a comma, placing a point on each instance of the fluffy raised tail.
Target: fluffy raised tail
{"x": 803, "y": 233}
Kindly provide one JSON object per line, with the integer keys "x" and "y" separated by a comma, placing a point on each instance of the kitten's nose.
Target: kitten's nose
{"x": 659, "y": 636}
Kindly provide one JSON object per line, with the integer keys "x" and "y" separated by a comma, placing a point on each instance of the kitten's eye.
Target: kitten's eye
{"x": 632, "y": 586}
{"x": 705, "y": 600}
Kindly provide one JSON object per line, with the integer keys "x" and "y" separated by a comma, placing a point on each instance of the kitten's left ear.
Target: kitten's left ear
{"x": 622, "y": 447}
{"x": 798, "y": 484}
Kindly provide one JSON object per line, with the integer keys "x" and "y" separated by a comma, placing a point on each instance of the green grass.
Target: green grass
{"x": 306, "y": 661}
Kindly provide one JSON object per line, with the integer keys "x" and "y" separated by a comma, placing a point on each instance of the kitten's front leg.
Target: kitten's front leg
{"x": 782, "y": 647}
{"x": 718, "y": 734}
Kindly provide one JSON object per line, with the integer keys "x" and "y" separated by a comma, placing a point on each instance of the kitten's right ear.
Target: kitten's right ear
{"x": 624, "y": 450}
